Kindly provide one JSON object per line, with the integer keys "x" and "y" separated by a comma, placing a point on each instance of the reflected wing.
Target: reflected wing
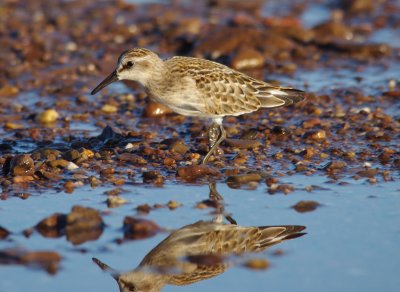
{"x": 209, "y": 243}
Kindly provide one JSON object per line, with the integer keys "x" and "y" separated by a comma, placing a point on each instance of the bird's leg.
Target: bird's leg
{"x": 216, "y": 197}
{"x": 213, "y": 134}
{"x": 216, "y": 134}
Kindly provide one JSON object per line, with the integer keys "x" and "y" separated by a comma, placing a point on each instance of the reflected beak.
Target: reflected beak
{"x": 110, "y": 79}
{"x": 106, "y": 268}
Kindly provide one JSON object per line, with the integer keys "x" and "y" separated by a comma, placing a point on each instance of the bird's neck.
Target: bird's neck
{"x": 156, "y": 77}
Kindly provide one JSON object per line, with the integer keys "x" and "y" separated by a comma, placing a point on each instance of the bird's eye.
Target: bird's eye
{"x": 128, "y": 286}
{"x": 129, "y": 64}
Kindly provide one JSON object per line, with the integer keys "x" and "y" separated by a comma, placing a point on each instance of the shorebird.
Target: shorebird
{"x": 198, "y": 252}
{"x": 198, "y": 87}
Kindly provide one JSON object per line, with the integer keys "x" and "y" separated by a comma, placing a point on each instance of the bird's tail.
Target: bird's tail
{"x": 275, "y": 234}
{"x": 279, "y": 96}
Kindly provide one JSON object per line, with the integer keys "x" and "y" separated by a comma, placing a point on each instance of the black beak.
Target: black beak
{"x": 106, "y": 268}
{"x": 110, "y": 79}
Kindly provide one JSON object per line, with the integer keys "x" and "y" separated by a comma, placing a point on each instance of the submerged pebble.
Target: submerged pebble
{"x": 22, "y": 165}
{"x": 306, "y": 206}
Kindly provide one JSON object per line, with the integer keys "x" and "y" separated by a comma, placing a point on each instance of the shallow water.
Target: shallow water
{"x": 351, "y": 241}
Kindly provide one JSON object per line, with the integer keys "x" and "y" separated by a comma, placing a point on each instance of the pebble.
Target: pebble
{"x": 306, "y": 206}
{"x": 242, "y": 143}
{"x": 46, "y": 260}
{"x": 193, "y": 172}
{"x": 155, "y": 110}
{"x": 4, "y": 233}
{"x": 132, "y": 158}
{"x": 257, "y": 264}
{"x": 48, "y": 116}
{"x": 172, "y": 205}
{"x": 22, "y": 165}
{"x": 241, "y": 179}
{"x": 109, "y": 109}
{"x": 247, "y": 58}
{"x": 72, "y": 166}
{"x": 115, "y": 201}
{"x": 135, "y": 228}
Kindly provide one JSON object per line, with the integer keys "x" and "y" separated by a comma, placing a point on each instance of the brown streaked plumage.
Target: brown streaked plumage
{"x": 168, "y": 262}
{"x": 199, "y": 87}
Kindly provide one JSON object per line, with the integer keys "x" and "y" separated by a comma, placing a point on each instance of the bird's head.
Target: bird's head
{"x": 134, "y": 281}
{"x": 137, "y": 64}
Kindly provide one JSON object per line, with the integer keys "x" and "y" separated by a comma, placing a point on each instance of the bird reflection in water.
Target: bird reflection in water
{"x": 199, "y": 251}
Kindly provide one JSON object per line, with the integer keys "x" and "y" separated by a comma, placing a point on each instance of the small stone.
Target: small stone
{"x": 13, "y": 126}
{"x": 119, "y": 181}
{"x": 311, "y": 123}
{"x": 22, "y": 165}
{"x": 257, "y": 264}
{"x": 46, "y": 153}
{"x": 300, "y": 167}
{"x": 201, "y": 205}
{"x": 132, "y": 158}
{"x": 155, "y": 110}
{"x": 22, "y": 179}
{"x": 48, "y": 116}
{"x": 368, "y": 173}
{"x": 8, "y": 90}
{"x": 207, "y": 204}
{"x": 113, "y": 192}
{"x": 283, "y": 188}
{"x": 178, "y": 147}
{"x": 69, "y": 186}
{"x": 280, "y": 131}
{"x": 115, "y": 201}
{"x": 60, "y": 163}
{"x": 83, "y": 224}
{"x": 47, "y": 260}
{"x": 22, "y": 196}
{"x": 247, "y": 58}
{"x": 172, "y": 205}
{"x": 48, "y": 175}
{"x": 243, "y": 143}
{"x": 52, "y": 226}
{"x": 196, "y": 171}
{"x": 135, "y": 228}
{"x": 153, "y": 176}
{"x": 107, "y": 171}
{"x": 72, "y": 155}
{"x": 109, "y": 109}
{"x": 72, "y": 166}
{"x": 145, "y": 208}
{"x": 4, "y": 233}
{"x": 271, "y": 180}
{"x": 309, "y": 152}
{"x": 306, "y": 206}
{"x": 169, "y": 161}
{"x": 250, "y": 134}
{"x": 318, "y": 135}
{"x": 334, "y": 165}
{"x": 87, "y": 153}
{"x": 241, "y": 179}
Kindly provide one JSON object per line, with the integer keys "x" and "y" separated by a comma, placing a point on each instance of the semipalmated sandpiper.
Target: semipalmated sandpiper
{"x": 199, "y": 87}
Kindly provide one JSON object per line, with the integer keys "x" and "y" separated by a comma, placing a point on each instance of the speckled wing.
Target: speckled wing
{"x": 229, "y": 92}
{"x": 210, "y": 238}
{"x": 227, "y": 240}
